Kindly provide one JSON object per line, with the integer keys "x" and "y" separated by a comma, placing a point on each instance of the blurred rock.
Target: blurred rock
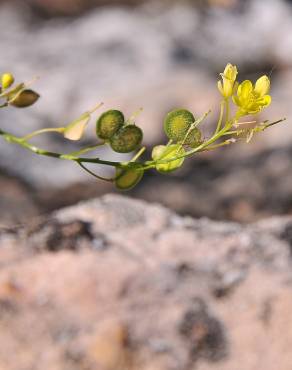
{"x": 190, "y": 294}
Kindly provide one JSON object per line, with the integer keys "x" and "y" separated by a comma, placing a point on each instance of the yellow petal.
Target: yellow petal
{"x": 230, "y": 72}
{"x": 236, "y": 101}
{"x": 262, "y": 86}
{"x": 75, "y": 130}
{"x": 265, "y": 101}
{"x": 227, "y": 68}
{"x": 244, "y": 89}
{"x": 220, "y": 87}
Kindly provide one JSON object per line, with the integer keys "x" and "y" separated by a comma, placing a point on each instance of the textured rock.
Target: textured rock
{"x": 115, "y": 283}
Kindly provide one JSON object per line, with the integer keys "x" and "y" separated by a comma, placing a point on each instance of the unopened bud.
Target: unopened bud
{"x": 7, "y": 80}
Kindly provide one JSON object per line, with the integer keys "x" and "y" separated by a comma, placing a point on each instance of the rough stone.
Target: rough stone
{"x": 116, "y": 283}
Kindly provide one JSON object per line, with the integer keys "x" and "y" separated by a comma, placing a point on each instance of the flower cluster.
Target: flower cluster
{"x": 182, "y": 128}
{"x": 249, "y": 98}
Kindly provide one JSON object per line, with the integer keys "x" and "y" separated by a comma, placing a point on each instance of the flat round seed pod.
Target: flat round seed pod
{"x": 177, "y": 123}
{"x": 127, "y": 179}
{"x": 127, "y": 139}
{"x": 194, "y": 138}
{"x": 163, "y": 152}
{"x": 109, "y": 123}
{"x": 24, "y": 99}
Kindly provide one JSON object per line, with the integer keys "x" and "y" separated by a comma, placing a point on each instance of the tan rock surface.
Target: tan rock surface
{"x": 116, "y": 284}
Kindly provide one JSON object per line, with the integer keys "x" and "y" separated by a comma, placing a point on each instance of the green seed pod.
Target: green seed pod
{"x": 127, "y": 139}
{"x": 163, "y": 152}
{"x": 194, "y": 138}
{"x": 127, "y": 179}
{"x": 177, "y": 123}
{"x": 109, "y": 123}
{"x": 23, "y": 99}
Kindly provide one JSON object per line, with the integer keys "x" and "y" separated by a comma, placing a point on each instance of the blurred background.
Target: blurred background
{"x": 158, "y": 55}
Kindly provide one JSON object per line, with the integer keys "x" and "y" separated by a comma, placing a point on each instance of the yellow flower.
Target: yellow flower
{"x": 228, "y": 80}
{"x": 7, "y": 80}
{"x": 252, "y": 99}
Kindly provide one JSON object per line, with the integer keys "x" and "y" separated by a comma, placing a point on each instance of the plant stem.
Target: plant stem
{"x": 227, "y": 112}
{"x": 138, "y": 155}
{"x": 42, "y": 131}
{"x": 219, "y": 124}
{"x": 87, "y": 149}
{"x": 192, "y": 127}
{"x": 94, "y": 174}
{"x": 19, "y": 141}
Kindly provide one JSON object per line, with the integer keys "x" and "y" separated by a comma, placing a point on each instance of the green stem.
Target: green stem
{"x": 131, "y": 120}
{"x": 94, "y": 174}
{"x": 19, "y": 141}
{"x": 87, "y": 149}
{"x": 138, "y": 155}
{"x": 42, "y": 131}
{"x": 192, "y": 127}
{"x": 219, "y": 124}
{"x": 212, "y": 147}
{"x": 227, "y": 112}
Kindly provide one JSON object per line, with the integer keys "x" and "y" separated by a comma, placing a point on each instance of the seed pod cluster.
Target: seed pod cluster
{"x": 177, "y": 126}
{"x": 122, "y": 137}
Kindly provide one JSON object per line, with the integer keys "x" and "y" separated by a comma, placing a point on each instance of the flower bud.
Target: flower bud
{"x": 226, "y": 86}
{"x": 7, "y": 80}
{"x": 177, "y": 124}
{"x": 23, "y": 98}
{"x": 127, "y": 139}
{"x": 75, "y": 130}
{"x": 163, "y": 152}
{"x": 126, "y": 179}
{"x": 109, "y": 123}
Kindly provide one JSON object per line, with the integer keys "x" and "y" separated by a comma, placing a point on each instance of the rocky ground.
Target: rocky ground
{"x": 115, "y": 283}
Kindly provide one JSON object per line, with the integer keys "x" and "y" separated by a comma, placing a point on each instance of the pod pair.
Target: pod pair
{"x": 122, "y": 137}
